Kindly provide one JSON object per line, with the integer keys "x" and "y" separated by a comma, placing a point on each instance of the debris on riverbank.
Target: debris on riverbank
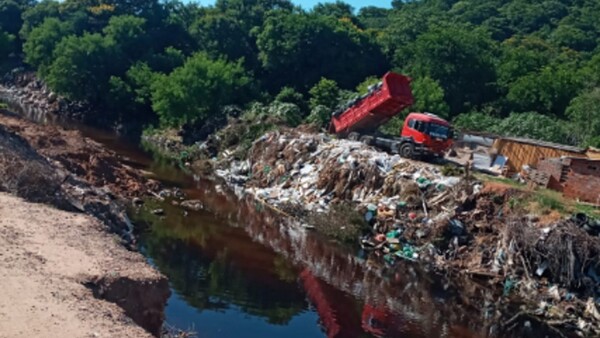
{"x": 82, "y": 157}
{"x": 48, "y": 164}
{"x": 23, "y": 89}
{"x": 413, "y": 212}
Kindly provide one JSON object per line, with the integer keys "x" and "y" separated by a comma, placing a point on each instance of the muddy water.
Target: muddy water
{"x": 238, "y": 270}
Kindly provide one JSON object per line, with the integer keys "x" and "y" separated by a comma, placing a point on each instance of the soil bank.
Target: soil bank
{"x": 55, "y": 267}
{"x": 66, "y": 273}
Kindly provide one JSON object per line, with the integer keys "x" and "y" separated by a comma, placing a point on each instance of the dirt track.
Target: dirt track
{"x": 47, "y": 257}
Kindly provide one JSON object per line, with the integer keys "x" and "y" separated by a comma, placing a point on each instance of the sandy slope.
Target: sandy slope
{"x": 46, "y": 256}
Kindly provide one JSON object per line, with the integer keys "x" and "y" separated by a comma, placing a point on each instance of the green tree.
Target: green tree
{"x": 10, "y": 16}
{"x": 41, "y": 42}
{"x": 222, "y": 35}
{"x": 374, "y": 17}
{"x": 319, "y": 116}
{"x": 476, "y": 121}
{"x": 128, "y": 34}
{"x": 289, "y": 95}
{"x": 573, "y": 37}
{"x": 132, "y": 92}
{"x": 429, "y": 97}
{"x": 36, "y": 15}
{"x": 166, "y": 61}
{"x": 82, "y": 67}
{"x": 338, "y": 9}
{"x": 548, "y": 91}
{"x": 6, "y": 45}
{"x": 325, "y": 93}
{"x": 460, "y": 58}
{"x": 533, "y": 125}
{"x": 393, "y": 127}
{"x": 197, "y": 90}
{"x": 363, "y": 87}
{"x": 298, "y": 49}
{"x": 11, "y": 20}
{"x": 584, "y": 114}
{"x": 523, "y": 56}
{"x": 252, "y": 13}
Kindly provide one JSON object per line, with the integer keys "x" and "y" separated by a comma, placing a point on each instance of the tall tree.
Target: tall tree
{"x": 198, "y": 89}
{"x": 42, "y": 40}
{"x": 82, "y": 67}
{"x": 298, "y": 49}
{"x": 584, "y": 114}
{"x": 460, "y": 58}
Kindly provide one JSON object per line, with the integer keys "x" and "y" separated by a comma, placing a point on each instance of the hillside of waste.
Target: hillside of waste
{"x": 411, "y": 211}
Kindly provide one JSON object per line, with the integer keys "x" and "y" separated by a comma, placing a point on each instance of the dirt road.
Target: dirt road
{"x": 53, "y": 262}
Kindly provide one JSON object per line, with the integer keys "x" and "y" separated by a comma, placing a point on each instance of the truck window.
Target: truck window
{"x": 411, "y": 123}
{"x": 420, "y": 126}
{"x": 439, "y": 131}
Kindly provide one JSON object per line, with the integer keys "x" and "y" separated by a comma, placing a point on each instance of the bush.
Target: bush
{"x": 197, "y": 90}
{"x": 320, "y": 116}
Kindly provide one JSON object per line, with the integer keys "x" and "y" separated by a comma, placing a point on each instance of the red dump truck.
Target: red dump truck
{"x": 422, "y": 133}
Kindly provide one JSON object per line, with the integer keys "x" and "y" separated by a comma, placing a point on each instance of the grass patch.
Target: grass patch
{"x": 497, "y": 179}
{"x": 550, "y": 200}
{"x": 587, "y": 209}
{"x": 541, "y": 201}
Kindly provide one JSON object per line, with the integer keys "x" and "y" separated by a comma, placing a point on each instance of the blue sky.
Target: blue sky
{"x": 308, "y": 4}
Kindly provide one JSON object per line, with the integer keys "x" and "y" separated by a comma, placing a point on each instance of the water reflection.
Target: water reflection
{"x": 236, "y": 256}
{"x": 238, "y": 270}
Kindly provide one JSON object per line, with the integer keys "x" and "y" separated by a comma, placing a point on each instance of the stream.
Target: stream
{"x": 236, "y": 269}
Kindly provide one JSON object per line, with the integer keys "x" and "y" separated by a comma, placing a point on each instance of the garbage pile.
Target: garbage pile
{"x": 407, "y": 204}
{"x": 314, "y": 170}
{"x": 415, "y": 213}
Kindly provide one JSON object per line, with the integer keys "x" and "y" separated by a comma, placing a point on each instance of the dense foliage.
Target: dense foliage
{"x": 519, "y": 67}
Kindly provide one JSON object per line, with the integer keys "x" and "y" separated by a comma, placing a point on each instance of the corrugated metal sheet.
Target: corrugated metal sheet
{"x": 477, "y": 139}
{"x": 482, "y": 161}
{"x": 544, "y": 144}
{"x": 522, "y": 152}
{"x": 593, "y": 153}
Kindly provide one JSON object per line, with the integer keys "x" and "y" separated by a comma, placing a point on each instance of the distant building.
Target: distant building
{"x": 519, "y": 152}
{"x": 577, "y": 178}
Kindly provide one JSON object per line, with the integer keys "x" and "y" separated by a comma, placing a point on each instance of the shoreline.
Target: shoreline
{"x": 463, "y": 234}
{"x": 68, "y": 245}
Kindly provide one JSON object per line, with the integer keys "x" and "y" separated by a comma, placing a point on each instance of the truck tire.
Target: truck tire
{"x": 353, "y": 136}
{"x": 368, "y": 140}
{"x": 407, "y": 150}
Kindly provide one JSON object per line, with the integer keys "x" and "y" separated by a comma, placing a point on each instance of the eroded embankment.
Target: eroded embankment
{"x": 414, "y": 212}
{"x": 49, "y": 260}
{"x": 57, "y": 262}
{"x": 49, "y": 164}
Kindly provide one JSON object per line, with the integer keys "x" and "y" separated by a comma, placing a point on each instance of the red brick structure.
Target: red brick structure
{"x": 556, "y": 169}
{"x": 576, "y": 178}
{"x": 583, "y": 180}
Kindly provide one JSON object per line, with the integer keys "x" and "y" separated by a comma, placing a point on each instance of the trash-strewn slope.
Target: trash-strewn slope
{"x": 412, "y": 212}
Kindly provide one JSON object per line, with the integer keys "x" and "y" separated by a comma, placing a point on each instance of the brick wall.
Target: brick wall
{"x": 552, "y": 167}
{"x": 583, "y": 181}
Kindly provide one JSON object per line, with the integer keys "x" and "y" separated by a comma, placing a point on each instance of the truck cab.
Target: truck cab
{"x": 425, "y": 134}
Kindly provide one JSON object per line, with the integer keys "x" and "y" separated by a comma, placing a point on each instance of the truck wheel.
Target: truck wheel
{"x": 407, "y": 150}
{"x": 368, "y": 140}
{"x": 353, "y": 136}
